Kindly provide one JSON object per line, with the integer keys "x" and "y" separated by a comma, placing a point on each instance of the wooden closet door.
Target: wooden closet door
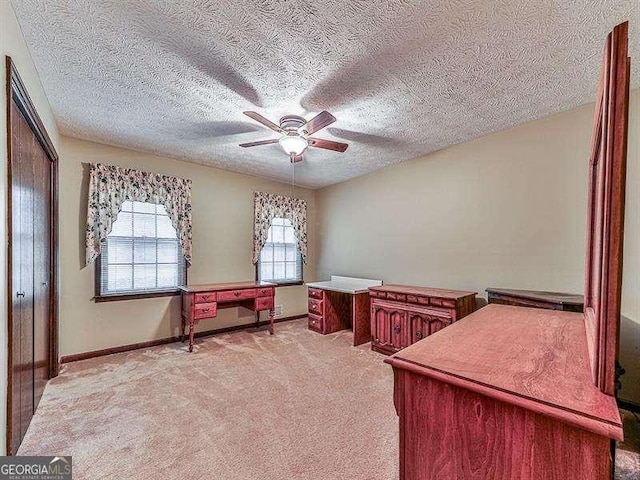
{"x": 22, "y": 275}
{"x": 15, "y": 293}
{"x": 32, "y": 259}
{"x": 42, "y": 268}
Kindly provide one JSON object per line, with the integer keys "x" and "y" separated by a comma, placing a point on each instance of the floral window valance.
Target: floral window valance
{"x": 110, "y": 185}
{"x": 268, "y": 206}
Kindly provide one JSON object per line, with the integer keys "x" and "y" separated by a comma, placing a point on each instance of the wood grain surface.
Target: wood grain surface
{"x": 607, "y": 180}
{"x": 516, "y": 354}
{"x": 216, "y": 287}
{"x": 450, "y": 433}
{"x": 361, "y": 322}
{"x": 426, "y": 291}
{"x": 536, "y": 299}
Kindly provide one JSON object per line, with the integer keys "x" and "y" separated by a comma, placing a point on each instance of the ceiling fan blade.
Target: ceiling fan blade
{"x": 259, "y": 118}
{"x": 321, "y": 120}
{"x": 260, "y": 142}
{"x": 327, "y": 144}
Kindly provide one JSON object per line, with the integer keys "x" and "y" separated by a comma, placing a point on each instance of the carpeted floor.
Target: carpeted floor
{"x": 628, "y": 452}
{"x": 243, "y": 406}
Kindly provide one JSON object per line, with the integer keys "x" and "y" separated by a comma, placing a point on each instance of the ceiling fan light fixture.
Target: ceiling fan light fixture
{"x": 293, "y": 144}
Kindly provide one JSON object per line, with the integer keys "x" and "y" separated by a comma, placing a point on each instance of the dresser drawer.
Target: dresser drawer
{"x": 263, "y": 303}
{"x": 400, "y": 297}
{"x": 232, "y": 295}
{"x": 315, "y": 306}
{"x": 441, "y": 302}
{"x": 265, "y": 292}
{"x": 315, "y": 293}
{"x": 205, "y": 310}
{"x": 315, "y": 322}
{"x": 377, "y": 294}
{"x": 205, "y": 297}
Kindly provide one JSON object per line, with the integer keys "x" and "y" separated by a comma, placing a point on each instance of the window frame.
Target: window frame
{"x": 282, "y": 284}
{"x": 100, "y": 296}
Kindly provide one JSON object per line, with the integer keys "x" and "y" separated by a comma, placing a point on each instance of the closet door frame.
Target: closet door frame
{"x": 16, "y": 92}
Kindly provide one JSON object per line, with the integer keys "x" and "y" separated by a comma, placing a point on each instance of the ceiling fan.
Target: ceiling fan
{"x": 295, "y": 134}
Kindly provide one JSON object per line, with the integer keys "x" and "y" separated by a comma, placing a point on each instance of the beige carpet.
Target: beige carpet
{"x": 245, "y": 405}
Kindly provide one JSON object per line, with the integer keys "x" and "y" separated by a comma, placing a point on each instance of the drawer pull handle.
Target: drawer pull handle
{"x": 205, "y": 297}
{"x": 237, "y": 294}
{"x": 418, "y": 334}
{"x": 205, "y": 310}
{"x": 396, "y": 329}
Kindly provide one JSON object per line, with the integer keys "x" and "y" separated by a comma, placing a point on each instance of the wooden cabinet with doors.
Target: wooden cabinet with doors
{"x": 32, "y": 305}
{"x": 402, "y": 315}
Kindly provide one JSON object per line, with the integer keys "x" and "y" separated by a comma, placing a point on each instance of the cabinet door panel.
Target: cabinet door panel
{"x": 381, "y": 326}
{"x": 400, "y": 331}
{"x": 419, "y": 326}
{"x": 436, "y": 324}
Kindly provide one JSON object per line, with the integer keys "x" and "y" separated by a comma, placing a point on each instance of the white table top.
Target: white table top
{"x": 346, "y": 284}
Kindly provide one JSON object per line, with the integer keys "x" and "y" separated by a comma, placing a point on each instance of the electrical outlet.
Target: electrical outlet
{"x": 279, "y": 311}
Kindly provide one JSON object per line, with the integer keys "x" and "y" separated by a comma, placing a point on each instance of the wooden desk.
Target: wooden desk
{"x": 201, "y": 301}
{"x": 339, "y": 304}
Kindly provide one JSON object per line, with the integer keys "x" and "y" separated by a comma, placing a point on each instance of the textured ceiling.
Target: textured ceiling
{"x": 404, "y": 78}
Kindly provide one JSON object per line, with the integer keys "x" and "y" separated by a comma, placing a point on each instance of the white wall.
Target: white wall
{"x": 222, "y": 247}
{"x": 12, "y": 44}
{"x": 506, "y": 210}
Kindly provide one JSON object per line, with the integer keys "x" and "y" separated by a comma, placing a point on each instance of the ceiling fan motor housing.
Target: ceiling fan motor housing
{"x": 291, "y": 123}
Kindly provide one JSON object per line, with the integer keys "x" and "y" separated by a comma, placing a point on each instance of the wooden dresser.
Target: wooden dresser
{"x": 569, "y": 302}
{"x": 504, "y": 393}
{"x": 402, "y": 315}
{"x": 202, "y": 301}
{"x": 513, "y": 392}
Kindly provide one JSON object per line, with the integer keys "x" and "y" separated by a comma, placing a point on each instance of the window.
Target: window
{"x": 142, "y": 253}
{"x": 280, "y": 261}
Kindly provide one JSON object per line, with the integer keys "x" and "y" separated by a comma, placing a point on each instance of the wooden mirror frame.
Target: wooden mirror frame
{"x": 605, "y": 210}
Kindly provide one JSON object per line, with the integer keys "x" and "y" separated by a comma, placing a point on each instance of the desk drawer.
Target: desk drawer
{"x": 315, "y": 293}
{"x": 263, "y": 303}
{"x": 231, "y": 295}
{"x": 205, "y": 297}
{"x": 205, "y": 310}
{"x": 315, "y": 322}
{"x": 265, "y": 292}
{"x": 315, "y": 306}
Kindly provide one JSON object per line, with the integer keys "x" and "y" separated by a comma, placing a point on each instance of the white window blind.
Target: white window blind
{"x": 280, "y": 260}
{"x": 142, "y": 253}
